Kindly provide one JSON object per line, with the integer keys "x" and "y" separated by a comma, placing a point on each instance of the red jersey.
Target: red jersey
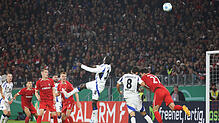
{"x": 26, "y": 95}
{"x": 45, "y": 88}
{"x": 68, "y": 88}
{"x": 152, "y": 82}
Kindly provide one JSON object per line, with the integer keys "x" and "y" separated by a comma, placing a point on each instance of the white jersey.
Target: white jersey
{"x": 102, "y": 72}
{"x": 7, "y": 90}
{"x": 58, "y": 98}
{"x": 130, "y": 84}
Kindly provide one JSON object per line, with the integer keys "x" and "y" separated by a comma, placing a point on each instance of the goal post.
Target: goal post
{"x": 212, "y": 58}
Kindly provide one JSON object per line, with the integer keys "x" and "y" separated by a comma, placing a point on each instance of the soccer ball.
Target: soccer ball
{"x": 167, "y": 7}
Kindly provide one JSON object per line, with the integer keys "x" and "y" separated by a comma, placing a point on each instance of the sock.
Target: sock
{"x": 66, "y": 120}
{"x": 133, "y": 120}
{"x": 2, "y": 118}
{"x": 39, "y": 118}
{"x": 94, "y": 116}
{"x": 158, "y": 117}
{"x": 70, "y": 119}
{"x": 27, "y": 120}
{"x": 55, "y": 119}
{"x": 51, "y": 120}
{"x": 6, "y": 119}
{"x": 59, "y": 119}
{"x": 178, "y": 107}
{"x": 146, "y": 117}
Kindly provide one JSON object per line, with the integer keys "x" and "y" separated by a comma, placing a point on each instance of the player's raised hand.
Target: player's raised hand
{"x": 120, "y": 92}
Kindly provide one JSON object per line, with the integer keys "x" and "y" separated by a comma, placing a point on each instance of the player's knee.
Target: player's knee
{"x": 94, "y": 104}
{"x": 132, "y": 114}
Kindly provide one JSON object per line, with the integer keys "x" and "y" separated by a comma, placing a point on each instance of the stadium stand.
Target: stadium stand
{"x": 134, "y": 32}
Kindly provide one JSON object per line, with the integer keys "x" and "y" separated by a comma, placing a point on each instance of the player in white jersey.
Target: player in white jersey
{"x": 96, "y": 86}
{"x": 6, "y": 98}
{"x": 130, "y": 83}
{"x": 58, "y": 99}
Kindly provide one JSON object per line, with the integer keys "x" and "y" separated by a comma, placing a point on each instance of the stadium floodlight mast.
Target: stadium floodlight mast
{"x": 208, "y": 63}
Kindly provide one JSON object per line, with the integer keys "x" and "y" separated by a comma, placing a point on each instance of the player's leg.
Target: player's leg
{"x": 132, "y": 115}
{"x": 28, "y": 114}
{"x": 144, "y": 114}
{"x": 158, "y": 99}
{"x": 169, "y": 102}
{"x": 42, "y": 107}
{"x": 95, "y": 111}
{"x": 4, "y": 117}
{"x": 52, "y": 109}
{"x": 58, "y": 110}
{"x": 7, "y": 112}
{"x": 68, "y": 113}
{"x": 33, "y": 111}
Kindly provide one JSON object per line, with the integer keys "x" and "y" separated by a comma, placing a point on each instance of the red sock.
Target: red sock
{"x": 66, "y": 120}
{"x": 39, "y": 118}
{"x": 27, "y": 120}
{"x": 70, "y": 119}
{"x": 55, "y": 119}
{"x": 158, "y": 117}
{"x": 178, "y": 107}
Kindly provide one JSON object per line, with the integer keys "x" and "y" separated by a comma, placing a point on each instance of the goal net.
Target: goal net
{"x": 212, "y": 82}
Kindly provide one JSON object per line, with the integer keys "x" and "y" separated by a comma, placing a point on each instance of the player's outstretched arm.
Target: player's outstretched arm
{"x": 15, "y": 96}
{"x": 90, "y": 69}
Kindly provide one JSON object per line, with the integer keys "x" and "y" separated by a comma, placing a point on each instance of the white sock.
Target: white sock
{"x": 6, "y": 119}
{"x": 2, "y": 118}
{"x": 148, "y": 119}
{"x": 51, "y": 120}
{"x": 94, "y": 116}
{"x": 59, "y": 119}
{"x": 133, "y": 120}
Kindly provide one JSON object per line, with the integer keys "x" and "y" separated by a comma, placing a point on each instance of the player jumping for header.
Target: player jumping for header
{"x": 160, "y": 94}
{"x": 96, "y": 86}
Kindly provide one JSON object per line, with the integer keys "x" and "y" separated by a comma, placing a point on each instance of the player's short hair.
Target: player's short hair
{"x": 107, "y": 60}
{"x": 63, "y": 73}
{"x": 135, "y": 69}
{"x": 44, "y": 68}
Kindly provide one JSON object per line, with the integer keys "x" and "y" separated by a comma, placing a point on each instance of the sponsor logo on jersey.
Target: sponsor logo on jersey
{"x": 46, "y": 88}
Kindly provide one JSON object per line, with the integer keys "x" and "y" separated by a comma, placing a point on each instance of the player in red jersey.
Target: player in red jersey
{"x": 26, "y": 98}
{"x": 69, "y": 102}
{"x": 160, "y": 94}
{"x": 45, "y": 86}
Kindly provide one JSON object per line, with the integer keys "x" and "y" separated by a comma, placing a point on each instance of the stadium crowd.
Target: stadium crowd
{"x": 134, "y": 32}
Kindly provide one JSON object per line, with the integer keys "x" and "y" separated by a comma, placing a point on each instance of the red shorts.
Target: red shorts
{"x": 47, "y": 104}
{"x": 66, "y": 107}
{"x": 160, "y": 95}
{"x": 30, "y": 107}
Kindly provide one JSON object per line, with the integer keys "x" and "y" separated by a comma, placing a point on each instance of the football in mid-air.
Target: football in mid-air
{"x": 167, "y": 7}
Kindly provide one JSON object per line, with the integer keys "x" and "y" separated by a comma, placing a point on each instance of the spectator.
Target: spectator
{"x": 214, "y": 92}
{"x": 177, "y": 95}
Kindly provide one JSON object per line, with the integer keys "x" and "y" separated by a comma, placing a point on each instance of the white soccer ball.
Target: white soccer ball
{"x": 167, "y": 7}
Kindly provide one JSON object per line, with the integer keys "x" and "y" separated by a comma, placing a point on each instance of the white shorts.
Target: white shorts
{"x": 95, "y": 88}
{"x": 134, "y": 104}
{"x": 58, "y": 107}
{"x": 4, "y": 105}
